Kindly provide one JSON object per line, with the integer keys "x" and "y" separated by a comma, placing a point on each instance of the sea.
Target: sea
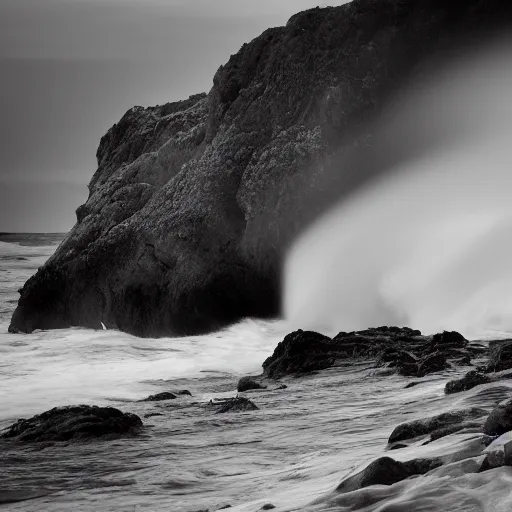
{"x": 292, "y": 452}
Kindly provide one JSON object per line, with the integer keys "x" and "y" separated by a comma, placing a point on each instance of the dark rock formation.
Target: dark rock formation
{"x": 166, "y": 395}
{"x": 268, "y": 506}
{"x": 470, "y": 380}
{"x": 75, "y": 422}
{"x": 247, "y": 383}
{"x": 400, "y": 348}
{"x": 500, "y": 356}
{"x": 183, "y": 392}
{"x": 300, "y": 352}
{"x": 500, "y": 419}
{"x": 194, "y": 203}
{"x": 387, "y": 471}
{"x": 238, "y": 404}
{"x": 422, "y": 427}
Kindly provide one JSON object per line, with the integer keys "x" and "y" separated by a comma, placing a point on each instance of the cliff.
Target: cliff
{"x": 194, "y": 203}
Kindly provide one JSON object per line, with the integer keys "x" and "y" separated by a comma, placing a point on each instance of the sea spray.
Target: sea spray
{"x": 427, "y": 244}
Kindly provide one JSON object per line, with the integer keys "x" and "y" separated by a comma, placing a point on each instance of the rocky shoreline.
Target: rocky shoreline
{"x": 303, "y": 354}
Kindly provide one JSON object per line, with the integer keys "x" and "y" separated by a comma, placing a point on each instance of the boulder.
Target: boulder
{"x": 74, "y": 422}
{"x": 422, "y": 427}
{"x": 247, "y": 383}
{"x": 470, "y": 380}
{"x": 300, "y": 352}
{"x": 500, "y": 419}
{"x": 387, "y": 471}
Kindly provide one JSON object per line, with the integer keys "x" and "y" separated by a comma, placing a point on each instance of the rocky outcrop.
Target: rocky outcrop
{"x": 76, "y": 422}
{"x": 403, "y": 349}
{"x": 195, "y": 202}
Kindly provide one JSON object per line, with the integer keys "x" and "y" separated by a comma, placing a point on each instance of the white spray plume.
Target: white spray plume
{"x": 428, "y": 244}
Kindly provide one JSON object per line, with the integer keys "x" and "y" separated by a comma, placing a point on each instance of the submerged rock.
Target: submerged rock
{"x": 75, "y": 422}
{"x": 166, "y": 395}
{"x": 387, "y": 471}
{"x": 500, "y": 419}
{"x": 417, "y": 428}
{"x": 469, "y": 381}
{"x": 238, "y": 404}
{"x": 247, "y": 383}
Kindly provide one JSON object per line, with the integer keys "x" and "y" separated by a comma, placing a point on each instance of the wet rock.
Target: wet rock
{"x": 426, "y": 426}
{"x": 300, "y": 352}
{"x": 458, "y": 427}
{"x": 399, "y": 348}
{"x": 498, "y": 453}
{"x": 76, "y": 422}
{"x": 469, "y": 381}
{"x": 151, "y": 414}
{"x": 238, "y": 404}
{"x": 387, "y": 471}
{"x": 500, "y": 419}
{"x": 247, "y": 383}
{"x": 183, "y": 392}
{"x": 166, "y": 395}
{"x": 500, "y": 355}
{"x": 447, "y": 340}
{"x": 432, "y": 363}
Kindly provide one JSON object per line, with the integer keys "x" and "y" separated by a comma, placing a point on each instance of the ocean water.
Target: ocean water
{"x": 292, "y": 452}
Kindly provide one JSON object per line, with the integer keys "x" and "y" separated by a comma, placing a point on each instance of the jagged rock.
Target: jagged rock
{"x": 247, "y": 383}
{"x": 470, "y": 380}
{"x": 401, "y": 348}
{"x": 387, "y": 471}
{"x": 76, "y": 422}
{"x": 500, "y": 356}
{"x": 166, "y": 395}
{"x": 300, "y": 352}
{"x": 195, "y": 203}
{"x": 500, "y": 419}
{"x": 238, "y": 404}
{"x": 426, "y": 426}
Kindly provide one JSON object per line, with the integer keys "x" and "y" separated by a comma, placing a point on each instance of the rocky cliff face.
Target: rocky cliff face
{"x": 195, "y": 202}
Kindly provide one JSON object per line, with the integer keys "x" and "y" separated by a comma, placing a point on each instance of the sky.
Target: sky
{"x": 71, "y": 68}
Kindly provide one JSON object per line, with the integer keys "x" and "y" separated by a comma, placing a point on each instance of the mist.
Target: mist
{"x": 427, "y": 243}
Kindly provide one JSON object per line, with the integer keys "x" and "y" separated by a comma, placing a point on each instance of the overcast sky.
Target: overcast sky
{"x": 71, "y": 68}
